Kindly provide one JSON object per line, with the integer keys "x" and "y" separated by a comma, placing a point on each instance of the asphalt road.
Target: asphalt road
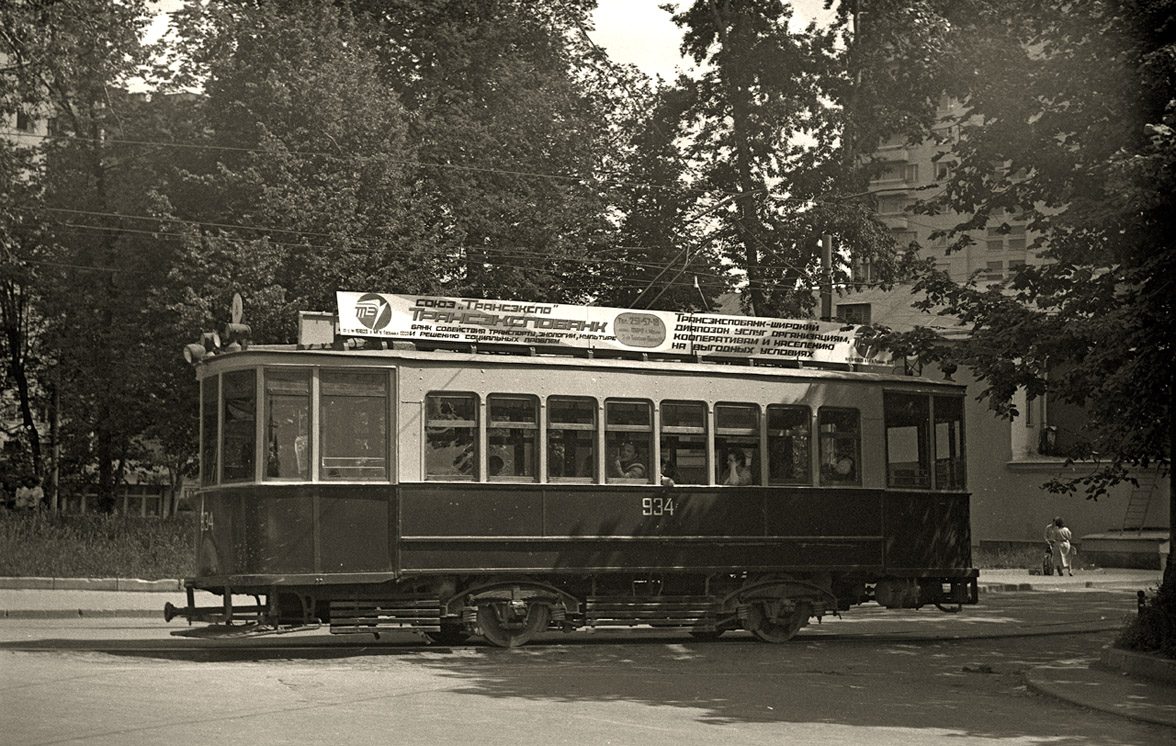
{"x": 875, "y": 676}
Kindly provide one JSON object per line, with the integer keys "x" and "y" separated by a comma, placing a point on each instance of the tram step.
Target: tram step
{"x": 668, "y": 611}
{"x": 364, "y": 615}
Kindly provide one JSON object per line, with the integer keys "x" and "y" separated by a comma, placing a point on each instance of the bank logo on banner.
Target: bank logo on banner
{"x": 373, "y": 311}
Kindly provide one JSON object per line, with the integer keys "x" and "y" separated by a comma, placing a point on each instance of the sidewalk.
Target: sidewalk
{"x": 1133, "y": 685}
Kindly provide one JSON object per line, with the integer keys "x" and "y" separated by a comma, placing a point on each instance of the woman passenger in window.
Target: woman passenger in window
{"x": 627, "y": 464}
{"x": 738, "y": 471}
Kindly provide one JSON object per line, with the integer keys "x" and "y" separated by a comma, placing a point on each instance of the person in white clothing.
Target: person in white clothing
{"x": 1058, "y": 537}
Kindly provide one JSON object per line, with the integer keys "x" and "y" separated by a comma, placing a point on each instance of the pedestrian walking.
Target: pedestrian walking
{"x": 1058, "y": 538}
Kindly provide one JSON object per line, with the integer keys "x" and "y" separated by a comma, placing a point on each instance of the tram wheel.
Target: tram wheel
{"x": 772, "y": 628}
{"x": 508, "y": 627}
{"x": 449, "y": 634}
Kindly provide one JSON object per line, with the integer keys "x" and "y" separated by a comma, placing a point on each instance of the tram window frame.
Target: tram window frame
{"x": 210, "y": 431}
{"x": 678, "y": 437}
{"x": 727, "y": 440}
{"x": 789, "y": 438}
{"x": 559, "y": 426}
{"x": 238, "y": 431}
{"x": 336, "y": 391}
{"x": 950, "y": 473}
{"x": 831, "y": 463}
{"x": 467, "y": 464}
{"x": 277, "y": 441}
{"x": 518, "y": 433}
{"x": 619, "y": 434}
{"x": 906, "y": 423}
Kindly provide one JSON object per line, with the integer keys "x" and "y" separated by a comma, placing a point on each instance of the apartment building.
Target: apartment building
{"x": 1009, "y": 461}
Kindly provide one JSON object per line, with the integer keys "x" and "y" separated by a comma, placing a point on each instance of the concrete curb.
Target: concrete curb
{"x": 91, "y": 584}
{"x": 1139, "y": 664}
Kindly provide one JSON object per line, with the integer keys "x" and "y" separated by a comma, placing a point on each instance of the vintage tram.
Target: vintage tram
{"x": 478, "y": 487}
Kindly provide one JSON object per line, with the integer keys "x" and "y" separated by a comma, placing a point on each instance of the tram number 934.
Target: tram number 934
{"x": 657, "y": 506}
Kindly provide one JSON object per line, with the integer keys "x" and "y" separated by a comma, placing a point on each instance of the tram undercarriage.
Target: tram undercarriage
{"x": 510, "y": 611}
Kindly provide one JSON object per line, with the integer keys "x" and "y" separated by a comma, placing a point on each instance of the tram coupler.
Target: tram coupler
{"x": 212, "y": 613}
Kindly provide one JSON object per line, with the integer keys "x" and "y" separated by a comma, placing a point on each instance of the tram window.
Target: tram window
{"x": 514, "y": 432}
{"x": 737, "y": 444}
{"x": 353, "y": 430}
{"x": 789, "y": 445}
{"x": 628, "y": 438}
{"x": 451, "y": 436}
{"x": 683, "y": 441}
{"x": 908, "y": 440}
{"x": 287, "y": 424}
{"x": 840, "y": 446}
{"x": 571, "y": 439}
{"x": 950, "y": 467}
{"x": 209, "y": 399}
{"x": 239, "y": 436}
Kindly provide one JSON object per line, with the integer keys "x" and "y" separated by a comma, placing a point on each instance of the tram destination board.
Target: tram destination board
{"x": 474, "y": 321}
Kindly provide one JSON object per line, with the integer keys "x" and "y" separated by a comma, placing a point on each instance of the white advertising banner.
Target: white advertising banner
{"x": 445, "y": 319}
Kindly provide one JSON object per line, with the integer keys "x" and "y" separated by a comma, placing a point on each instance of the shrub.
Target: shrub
{"x": 1153, "y": 629}
{"x": 79, "y": 546}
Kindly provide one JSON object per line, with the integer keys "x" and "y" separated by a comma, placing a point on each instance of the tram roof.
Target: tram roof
{"x": 263, "y": 354}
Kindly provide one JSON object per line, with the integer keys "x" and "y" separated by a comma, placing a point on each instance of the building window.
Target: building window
{"x": 737, "y": 444}
{"x": 789, "y": 449}
{"x": 571, "y": 439}
{"x": 943, "y": 169}
{"x": 513, "y": 431}
{"x": 993, "y": 271}
{"x": 353, "y": 427}
{"x": 239, "y": 423}
{"x": 840, "y": 446}
{"x": 683, "y": 441}
{"x": 911, "y": 173}
{"x": 25, "y": 122}
{"x": 628, "y": 440}
{"x": 854, "y": 313}
{"x": 287, "y": 424}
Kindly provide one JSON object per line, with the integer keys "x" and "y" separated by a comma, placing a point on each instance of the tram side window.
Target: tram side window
{"x": 451, "y": 436}
{"x": 683, "y": 441}
{"x": 514, "y": 433}
{"x": 950, "y": 466}
{"x": 353, "y": 431}
{"x": 840, "y": 446}
{"x": 287, "y": 424}
{"x": 209, "y": 399}
{"x": 628, "y": 440}
{"x": 737, "y": 444}
{"x": 908, "y": 440}
{"x": 239, "y": 436}
{"x": 571, "y": 439}
{"x": 789, "y": 445}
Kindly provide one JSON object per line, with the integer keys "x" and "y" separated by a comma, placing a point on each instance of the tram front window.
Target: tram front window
{"x": 239, "y": 420}
{"x": 571, "y": 439}
{"x": 908, "y": 440}
{"x": 451, "y": 436}
{"x": 354, "y": 427}
{"x": 950, "y": 468}
{"x": 287, "y": 424}
{"x": 683, "y": 441}
{"x": 513, "y": 431}
{"x": 209, "y": 399}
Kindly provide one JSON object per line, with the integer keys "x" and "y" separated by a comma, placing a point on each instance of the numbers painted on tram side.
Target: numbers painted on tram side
{"x": 657, "y": 506}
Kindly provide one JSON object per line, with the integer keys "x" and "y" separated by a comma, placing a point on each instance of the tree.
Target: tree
{"x": 511, "y": 123}
{"x": 1069, "y": 121}
{"x": 66, "y": 59}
